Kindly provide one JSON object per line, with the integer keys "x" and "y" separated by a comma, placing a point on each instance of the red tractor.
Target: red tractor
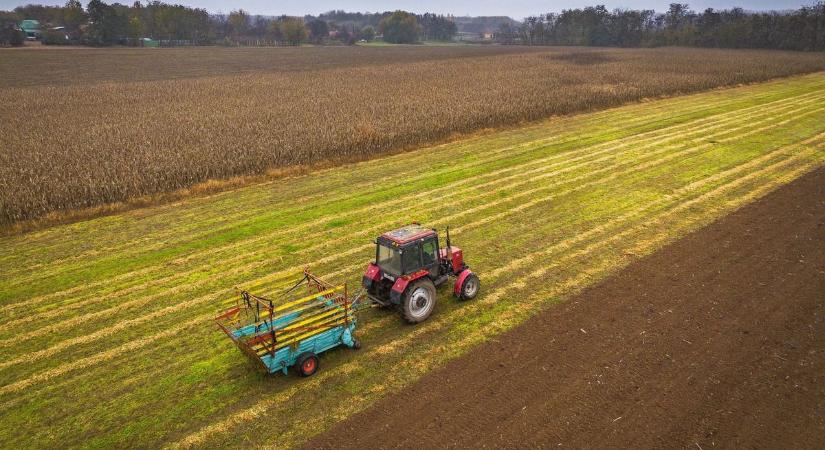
{"x": 409, "y": 265}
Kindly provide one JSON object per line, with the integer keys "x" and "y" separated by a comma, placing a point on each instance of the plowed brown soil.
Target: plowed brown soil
{"x": 716, "y": 341}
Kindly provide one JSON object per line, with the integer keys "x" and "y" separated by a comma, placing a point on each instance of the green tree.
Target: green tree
{"x": 293, "y": 30}
{"x": 400, "y": 27}
{"x": 73, "y": 15}
{"x": 105, "y": 24}
{"x": 239, "y": 22}
{"x": 368, "y": 33}
{"x": 437, "y": 28}
{"x": 135, "y": 28}
{"x": 273, "y": 31}
{"x": 10, "y": 34}
{"x": 46, "y": 15}
{"x": 318, "y": 30}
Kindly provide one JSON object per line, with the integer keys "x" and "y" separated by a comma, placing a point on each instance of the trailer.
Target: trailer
{"x": 294, "y": 326}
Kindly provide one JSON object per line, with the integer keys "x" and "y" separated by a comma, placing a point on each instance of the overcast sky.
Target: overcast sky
{"x": 516, "y": 9}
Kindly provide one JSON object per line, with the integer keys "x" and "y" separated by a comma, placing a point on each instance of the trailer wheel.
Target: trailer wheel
{"x": 307, "y": 364}
{"x": 419, "y": 301}
{"x": 470, "y": 287}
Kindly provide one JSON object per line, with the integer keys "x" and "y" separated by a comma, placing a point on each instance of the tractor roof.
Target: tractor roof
{"x": 408, "y": 233}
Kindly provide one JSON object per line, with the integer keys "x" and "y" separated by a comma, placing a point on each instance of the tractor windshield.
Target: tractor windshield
{"x": 389, "y": 259}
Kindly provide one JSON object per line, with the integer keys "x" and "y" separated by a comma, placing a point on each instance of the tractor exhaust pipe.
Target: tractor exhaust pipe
{"x": 449, "y": 246}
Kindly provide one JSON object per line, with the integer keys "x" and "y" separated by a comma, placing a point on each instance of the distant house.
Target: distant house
{"x": 31, "y": 28}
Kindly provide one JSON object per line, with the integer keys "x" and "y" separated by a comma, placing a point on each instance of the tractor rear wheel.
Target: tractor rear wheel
{"x": 419, "y": 301}
{"x": 307, "y": 364}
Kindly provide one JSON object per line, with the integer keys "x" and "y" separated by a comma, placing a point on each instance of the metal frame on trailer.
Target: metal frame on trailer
{"x": 275, "y": 332}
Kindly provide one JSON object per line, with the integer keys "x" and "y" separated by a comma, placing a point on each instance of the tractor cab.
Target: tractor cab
{"x": 407, "y": 250}
{"x": 409, "y": 264}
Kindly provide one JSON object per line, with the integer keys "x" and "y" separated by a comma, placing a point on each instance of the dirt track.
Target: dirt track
{"x": 715, "y": 341}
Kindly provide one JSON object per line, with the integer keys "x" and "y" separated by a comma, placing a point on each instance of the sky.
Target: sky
{"x": 517, "y": 9}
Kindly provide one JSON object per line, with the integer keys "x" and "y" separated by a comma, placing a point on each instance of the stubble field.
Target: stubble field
{"x": 106, "y": 338}
{"x": 88, "y": 127}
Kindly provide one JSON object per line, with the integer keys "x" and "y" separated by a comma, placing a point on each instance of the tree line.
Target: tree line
{"x": 107, "y": 24}
{"x": 801, "y": 29}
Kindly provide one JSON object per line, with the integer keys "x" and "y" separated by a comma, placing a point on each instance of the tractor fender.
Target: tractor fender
{"x": 372, "y": 275}
{"x": 460, "y": 280}
{"x": 401, "y": 285}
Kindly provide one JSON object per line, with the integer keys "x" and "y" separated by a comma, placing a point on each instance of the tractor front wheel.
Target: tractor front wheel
{"x": 419, "y": 301}
{"x": 469, "y": 287}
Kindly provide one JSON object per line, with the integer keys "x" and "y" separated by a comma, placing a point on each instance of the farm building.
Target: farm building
{"x": 31, "y": 28}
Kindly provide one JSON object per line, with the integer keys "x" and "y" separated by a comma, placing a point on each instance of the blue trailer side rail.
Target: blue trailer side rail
{"x": 309, "y": 318}
{"x": 286, "y": 357}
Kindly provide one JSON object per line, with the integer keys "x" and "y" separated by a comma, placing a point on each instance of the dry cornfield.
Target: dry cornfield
{"x": 92, "y": 127}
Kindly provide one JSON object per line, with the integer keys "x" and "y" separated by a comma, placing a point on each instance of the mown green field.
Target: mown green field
{"x": 107, "y": 338}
